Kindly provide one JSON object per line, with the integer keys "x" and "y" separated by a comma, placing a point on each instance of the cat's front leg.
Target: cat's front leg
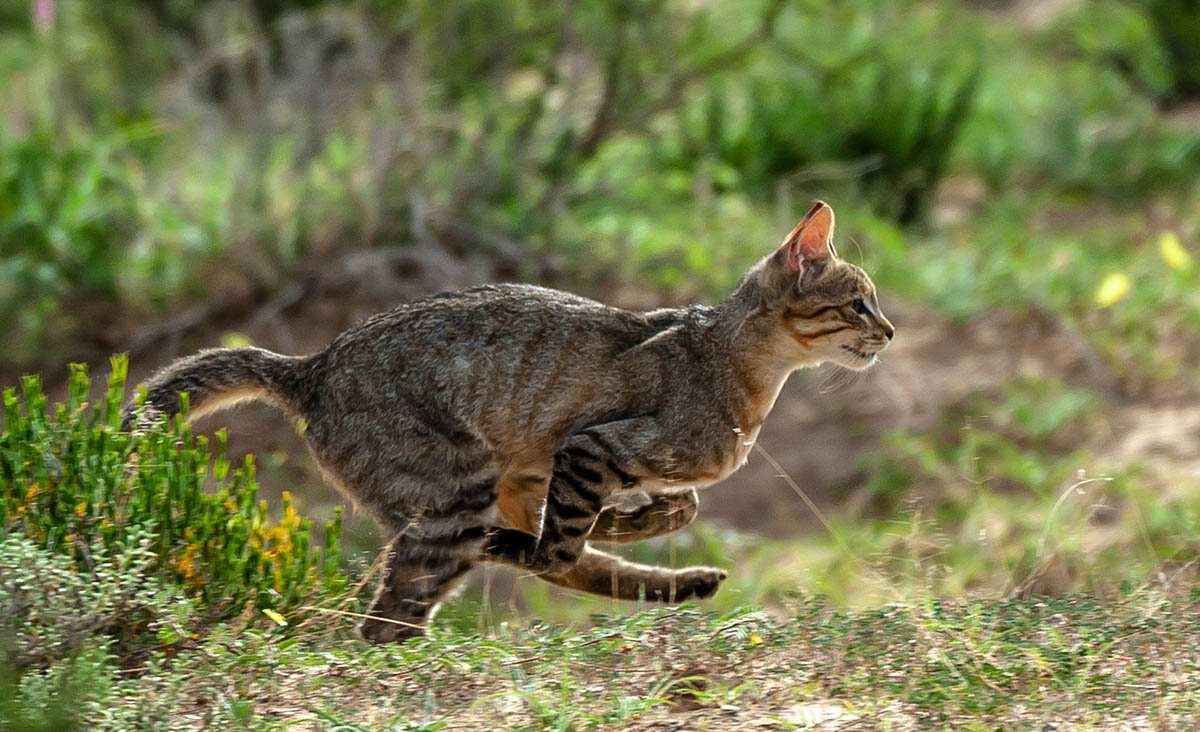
{"x": 591, "y": 464}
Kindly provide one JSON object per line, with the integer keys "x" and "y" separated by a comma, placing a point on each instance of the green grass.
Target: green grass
{"x": 979, "y": 579}
{"x": 973, "y": 665}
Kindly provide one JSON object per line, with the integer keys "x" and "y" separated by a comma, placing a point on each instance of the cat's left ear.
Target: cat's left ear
{"x": 809, "y": 247}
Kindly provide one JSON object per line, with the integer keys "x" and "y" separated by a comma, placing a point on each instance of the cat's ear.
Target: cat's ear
{"x": 808, "y": 248}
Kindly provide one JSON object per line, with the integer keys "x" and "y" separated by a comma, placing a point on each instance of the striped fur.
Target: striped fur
{"x": 514, "y": 423}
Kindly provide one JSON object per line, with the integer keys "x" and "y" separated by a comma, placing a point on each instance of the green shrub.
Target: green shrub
{"x": 81, "y": 222}
{"x": 886, "y": 105}
{"x": 1177, "y": 23}
{"x": 73, "y": 484}
{"x": 66, "y": 214}
{"x": 50, "y": 608}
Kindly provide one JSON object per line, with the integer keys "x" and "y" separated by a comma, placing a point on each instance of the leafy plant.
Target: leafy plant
{"x": 73, "y": 483}
{"x": 883, "y": 108}
{"x": 52, "y": 610}
{"x": 1178, "y": 24}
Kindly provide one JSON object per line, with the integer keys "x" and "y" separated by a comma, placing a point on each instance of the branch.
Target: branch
{"x": 605, "y": 121}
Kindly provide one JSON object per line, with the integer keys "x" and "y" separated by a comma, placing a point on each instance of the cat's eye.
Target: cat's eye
{"x": 859, "y": 306}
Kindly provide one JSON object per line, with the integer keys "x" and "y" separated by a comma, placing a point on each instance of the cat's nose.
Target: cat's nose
{"x": 888, "y": 330}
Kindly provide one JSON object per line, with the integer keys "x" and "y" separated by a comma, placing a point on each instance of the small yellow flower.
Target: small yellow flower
{"x": 1113, "y": 289}
{"x": 756, "y": 639}
{"x": 81, "y": 509}
{"x": 1173, "y": 252}
{"x": 186, "y": 564}
{"x": 236, "y": 340}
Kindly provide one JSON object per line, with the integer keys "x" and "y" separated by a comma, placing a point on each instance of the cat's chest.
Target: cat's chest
{"x": 741, "y": 443}
{"x": 722, "y": 458}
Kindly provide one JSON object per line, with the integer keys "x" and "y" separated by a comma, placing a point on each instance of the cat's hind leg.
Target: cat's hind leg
{"x": 416, "y": 576}
{"x": 431, "y": 550}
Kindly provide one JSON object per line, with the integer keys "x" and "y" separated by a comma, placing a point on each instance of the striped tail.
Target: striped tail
{"x": 218, "y": 378}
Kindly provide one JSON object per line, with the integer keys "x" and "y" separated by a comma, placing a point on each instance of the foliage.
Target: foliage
{"x": 1054, "y": 263}
{"x": 68, "y": 210}
{"x": 75, "y": 485}
{"x": 1178, "y": 24}
{"x": 1018, "y": 663}
{"x": 886, "y": 107}
{"x": 647, "y": 140}
{"x": 52, "y": 610}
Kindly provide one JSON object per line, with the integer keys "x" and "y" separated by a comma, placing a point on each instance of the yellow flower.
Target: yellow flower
{"x": 236, "y": 340}
{"x": 1173, "y": 252}
{"x": 81, "y": 509}
{"x": 290, "y": 518}
{"x": 756, "y": 639}
{"x": 1113, "y": 289}
{"x": 186, "y": 564}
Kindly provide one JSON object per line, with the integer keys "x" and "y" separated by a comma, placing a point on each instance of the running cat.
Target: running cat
{"x": 513, "y": 423}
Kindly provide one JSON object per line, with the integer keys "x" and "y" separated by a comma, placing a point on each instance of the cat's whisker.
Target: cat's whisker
{"x": 838, "y": 379}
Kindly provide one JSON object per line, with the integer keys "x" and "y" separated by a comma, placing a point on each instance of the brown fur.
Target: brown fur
{"x": 513, "y": 423}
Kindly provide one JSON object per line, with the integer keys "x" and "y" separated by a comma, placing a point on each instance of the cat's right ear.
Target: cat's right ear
{"x": 808, "y": 248}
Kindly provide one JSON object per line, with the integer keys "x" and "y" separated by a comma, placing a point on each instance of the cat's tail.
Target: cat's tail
{"x": 220, "y": 377}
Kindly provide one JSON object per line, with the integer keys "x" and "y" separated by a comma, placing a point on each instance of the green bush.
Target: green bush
{"x": 73, "y": 484}
{"x": 80, "y": 222}
{"x": 1178, "y": 25}
{"x": 885, "y": 107}
{"x": 51, "y": 609}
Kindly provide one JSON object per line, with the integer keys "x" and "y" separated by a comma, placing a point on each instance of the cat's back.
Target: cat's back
{"x": 488, "y": 312}
{"x": 494, "y": 338}
{"x": 495, "y": 361}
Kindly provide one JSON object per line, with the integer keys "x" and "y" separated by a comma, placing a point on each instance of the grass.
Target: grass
{"x": 1069, "y": 571}
{"x": 978, "y": 582}
{"x": 962, "y": 665}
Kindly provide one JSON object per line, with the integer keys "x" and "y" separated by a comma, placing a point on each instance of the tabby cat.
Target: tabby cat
{"x": 514, "y": 424}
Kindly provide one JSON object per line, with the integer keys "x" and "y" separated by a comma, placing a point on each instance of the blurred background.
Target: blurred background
{"x": 1020, "y": 177}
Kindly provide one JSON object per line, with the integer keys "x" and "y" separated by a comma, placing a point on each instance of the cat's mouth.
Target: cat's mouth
{"x": 867, "y": 357}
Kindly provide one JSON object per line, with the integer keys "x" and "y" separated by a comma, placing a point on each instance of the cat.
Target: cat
{"x": 513, "y": 423}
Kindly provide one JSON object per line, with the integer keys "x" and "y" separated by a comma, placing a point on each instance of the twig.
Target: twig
{"x": 361, "y": 616}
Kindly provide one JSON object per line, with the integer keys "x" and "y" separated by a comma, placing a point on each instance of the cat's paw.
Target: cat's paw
{"x": 642, "y": 516}
{"x": 695, "y": 583}
{"x": 510, "y": 545}
{"x": 553, "y": 559}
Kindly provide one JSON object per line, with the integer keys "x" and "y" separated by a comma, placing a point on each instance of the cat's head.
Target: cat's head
{"x": 822, "y": 308}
